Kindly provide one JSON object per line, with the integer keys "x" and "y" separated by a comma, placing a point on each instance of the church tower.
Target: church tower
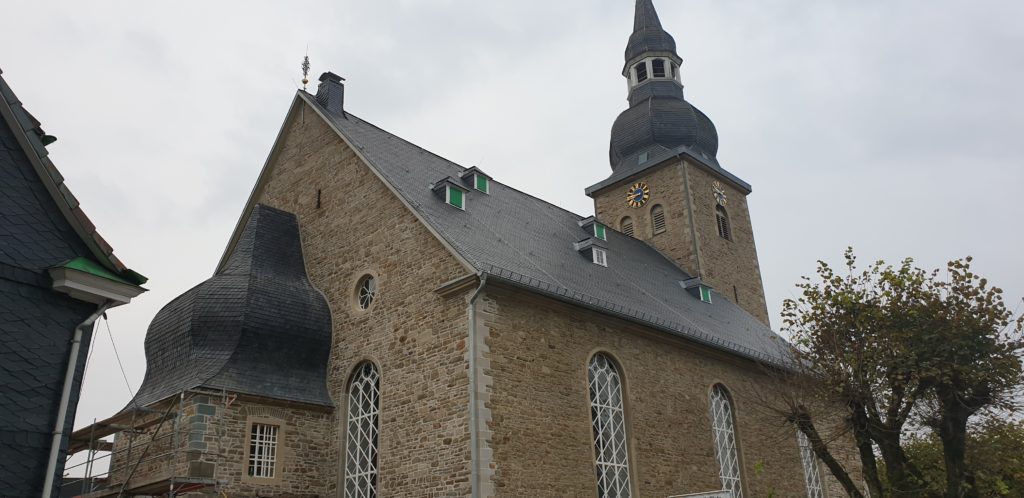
{"x": 667, "y": 187}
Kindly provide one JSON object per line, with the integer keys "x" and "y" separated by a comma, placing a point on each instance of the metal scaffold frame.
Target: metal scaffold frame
{"x": 133, "y": 423}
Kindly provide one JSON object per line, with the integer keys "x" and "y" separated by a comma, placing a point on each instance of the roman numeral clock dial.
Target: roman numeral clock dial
{"x": 638, "y": 194}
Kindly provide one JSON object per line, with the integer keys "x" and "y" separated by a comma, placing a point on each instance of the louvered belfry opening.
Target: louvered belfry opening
{"x": 724, "y": 231}
{"x": 658, "y": 219}
{"x": 626, "y": 226}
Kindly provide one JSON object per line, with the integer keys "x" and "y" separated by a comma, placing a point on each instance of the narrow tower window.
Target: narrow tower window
{"x": 810, "y": 461}
{"x": 626, "y": 226}
{"x": 361, "y": 433}
{"x": 658, "y": 67}
{"x": 641, "y": 72}
{"x": 722, "y": 219}
{"x": 609, "y": 427}
{"x": 672, "y": 69}
{"x": 658, "y": 219}
{"x": 723, "y": 425}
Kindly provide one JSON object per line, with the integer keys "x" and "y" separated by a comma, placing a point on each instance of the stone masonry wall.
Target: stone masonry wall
{"x": 352, "y": 225}
{"x": 540, "y": 416}
{"x": 729, "y": 266}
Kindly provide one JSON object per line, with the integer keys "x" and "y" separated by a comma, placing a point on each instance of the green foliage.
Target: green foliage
{"x": 901, "y": 346}
{"x": 995, "y": 451}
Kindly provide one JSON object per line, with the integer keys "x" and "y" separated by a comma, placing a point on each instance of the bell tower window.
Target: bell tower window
{"x": 626, "y": 226}
{"x": 658, "y": 68}
{"x": 641, "y": 71}
{"x": 722, "y": 219}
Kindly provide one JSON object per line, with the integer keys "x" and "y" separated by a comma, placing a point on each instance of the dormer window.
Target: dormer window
{"x": 482, "y": 183}
{"x": 658, "y": 68}
{"x": 455, "y": 197}
{"x": 454, "y": 194}
{"x": 641, "y": 71}
{"x": 599, "y": 231}
{"x": 698, "y": 289}
{"x": 593, "y": 248}
{"x": 477, "y": 179}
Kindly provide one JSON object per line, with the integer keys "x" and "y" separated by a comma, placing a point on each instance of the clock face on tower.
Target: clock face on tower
{"x": 637, "y": 194}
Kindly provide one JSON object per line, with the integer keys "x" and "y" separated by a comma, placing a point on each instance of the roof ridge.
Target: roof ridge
{"x": 428, "y": 151}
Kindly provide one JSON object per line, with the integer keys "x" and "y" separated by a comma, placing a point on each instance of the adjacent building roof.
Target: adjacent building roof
{"x": 42, "y": 223}
{"x": 511, "y": 236}
{"x": 256, "y": 327}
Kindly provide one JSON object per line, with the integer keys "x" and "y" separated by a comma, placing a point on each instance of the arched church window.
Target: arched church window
{"x": 361, "y": 433}
{"x": 723, "y": 425}
{"x": 810, "y": 461}
{"x": 626, "y": 226}
{"x": 609, "y": 427}
{"x": 641, "y": 71}
{"x": 658, "y": 68}
{"x": 658, "y": 219}
{"x": 722, "y": 219}
{"x": 366, "y": 291}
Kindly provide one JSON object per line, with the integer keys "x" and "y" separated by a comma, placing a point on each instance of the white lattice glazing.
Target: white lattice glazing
{"x": 810, "y": 461}
{"x": 609, "y": 425}
{"x": 722, "y": 424}
{"x": 367, "y": 291}
{"x": 361, "y": 446}
{"x": 262, "y": 450}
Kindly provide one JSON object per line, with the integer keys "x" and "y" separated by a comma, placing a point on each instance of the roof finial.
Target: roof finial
{"x": 305, "y": 70}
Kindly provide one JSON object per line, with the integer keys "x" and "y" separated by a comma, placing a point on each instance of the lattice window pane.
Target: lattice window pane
{"x": 609, "y": 427}
{"x": 362, "y": 436}
{"x": 723, "y": 427}
{"x": 811, "y": 475}
{"x": 262, "y": 450}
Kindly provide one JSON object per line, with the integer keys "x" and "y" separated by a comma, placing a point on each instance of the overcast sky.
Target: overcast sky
{"x": 893, "y": 126}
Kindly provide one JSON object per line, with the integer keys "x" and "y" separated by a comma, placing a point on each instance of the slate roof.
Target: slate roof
{"x": 648, "y": 35}
{"x": 517, "y": 238}
{"x": 256, "y": 327}
{"x": 31, "y": 235}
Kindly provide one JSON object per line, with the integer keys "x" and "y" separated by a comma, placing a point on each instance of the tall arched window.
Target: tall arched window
{"x": 626, "y": 226}
{"x": 723, "y": 425}
{"x": 811, "y": 475}
{"x": 361, "y": 447}
{"x": 609, "y": 426}
{"x": 724, "y": 231}
{"x": 658, "y": 219}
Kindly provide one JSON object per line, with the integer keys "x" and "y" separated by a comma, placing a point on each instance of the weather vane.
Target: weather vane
{"x": 305, "y": 71}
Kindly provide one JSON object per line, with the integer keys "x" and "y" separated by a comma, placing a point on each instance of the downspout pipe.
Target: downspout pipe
{"x": 474, "y": 450}
{"x": 65, "y": 396}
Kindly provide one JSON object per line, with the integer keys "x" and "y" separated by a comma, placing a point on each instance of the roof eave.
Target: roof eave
{"x": 680, "y": 152}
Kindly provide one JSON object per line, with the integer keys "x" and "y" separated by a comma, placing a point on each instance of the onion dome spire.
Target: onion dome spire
{"x": 659, "y": 120}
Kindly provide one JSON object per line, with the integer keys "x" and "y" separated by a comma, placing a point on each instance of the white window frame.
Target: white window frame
{"x": 723, "y": 426}
{"x": 362, "y": 433}
{"x": 812, "y": 476}
{"x": 608, "y": 425}
{"x": 600, "y": 256}
{"x": 263, "y": 444}
{"x": 448, "y": 197}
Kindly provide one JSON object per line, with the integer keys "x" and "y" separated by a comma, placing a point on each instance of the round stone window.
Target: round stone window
{"x": 366, "y": 291}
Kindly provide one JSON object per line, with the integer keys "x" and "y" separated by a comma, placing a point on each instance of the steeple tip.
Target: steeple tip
{"x": 648, "y": 36}
{"x": 646, "y": 16}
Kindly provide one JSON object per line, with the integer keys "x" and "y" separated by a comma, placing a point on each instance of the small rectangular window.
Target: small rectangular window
{"x": 482, "y": 184}
{"x": 658, "y": 66}
{"x": 644, "y": 156}
{"x": 456, "y": 197}
{"x": 600, "y": 257}
{"x": 641, "y": 72}
{"x": 262, "y": 450}
{"x": 599, "y": 231}
{"x": 705, "y": 294}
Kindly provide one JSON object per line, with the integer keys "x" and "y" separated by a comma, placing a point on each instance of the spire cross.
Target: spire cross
{"x": 305, "y": 71}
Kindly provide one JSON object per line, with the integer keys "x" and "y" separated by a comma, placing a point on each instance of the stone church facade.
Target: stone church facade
{"x": 462, "y": 338}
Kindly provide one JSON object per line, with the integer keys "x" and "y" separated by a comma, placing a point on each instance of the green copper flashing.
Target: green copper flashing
{"x": 91, "y": 267}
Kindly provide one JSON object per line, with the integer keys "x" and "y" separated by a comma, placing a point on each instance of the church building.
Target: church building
{"x": 461, "y": 338}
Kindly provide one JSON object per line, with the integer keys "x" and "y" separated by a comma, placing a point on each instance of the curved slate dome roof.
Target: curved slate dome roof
{"x": 660, "y": 117}
{"x": 256, "y": 327}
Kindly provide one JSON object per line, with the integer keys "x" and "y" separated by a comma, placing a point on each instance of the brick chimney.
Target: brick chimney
{"x": 331, "y": 92}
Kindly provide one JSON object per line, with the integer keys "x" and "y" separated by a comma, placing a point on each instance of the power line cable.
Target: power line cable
{"x": 131, "y": 392}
